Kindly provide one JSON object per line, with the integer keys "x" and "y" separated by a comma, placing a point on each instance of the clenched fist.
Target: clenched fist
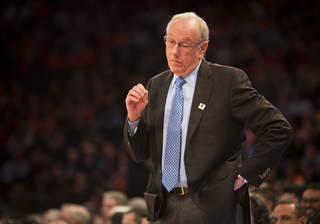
{"x": 136, "y": 101}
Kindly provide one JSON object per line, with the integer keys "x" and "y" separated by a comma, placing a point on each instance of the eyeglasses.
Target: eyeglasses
{"x": 182, "y": 46}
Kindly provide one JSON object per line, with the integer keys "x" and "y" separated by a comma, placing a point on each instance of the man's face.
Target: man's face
{"x": 128, "y": 218}
{"x": 311, "y": 202}
{"x": 184, "y": 31}
{"x": 285, "y": 214}
{"x": 107, "y": 205}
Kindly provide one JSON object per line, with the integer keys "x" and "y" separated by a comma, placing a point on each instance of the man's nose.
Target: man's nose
{"x": 306, "y": 204}
{"x": 176, "y": 49}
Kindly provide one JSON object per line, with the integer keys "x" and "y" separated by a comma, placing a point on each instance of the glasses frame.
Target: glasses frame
{"x": 165, "y": 38}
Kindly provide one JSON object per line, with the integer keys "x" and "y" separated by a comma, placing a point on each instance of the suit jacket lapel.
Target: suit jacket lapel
{"x": 201, "y": 95}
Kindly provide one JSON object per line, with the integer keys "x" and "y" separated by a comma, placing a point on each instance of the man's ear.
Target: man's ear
{"x": 203, "y": 47}
{"x": 303, "y": 220}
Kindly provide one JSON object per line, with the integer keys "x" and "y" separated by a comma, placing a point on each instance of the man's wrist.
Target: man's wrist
{"x": 242, "y": 178}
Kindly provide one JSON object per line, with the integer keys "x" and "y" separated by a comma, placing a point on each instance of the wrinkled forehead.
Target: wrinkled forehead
{"x": 184, "y": 23}
{"x": 184, "y": 29}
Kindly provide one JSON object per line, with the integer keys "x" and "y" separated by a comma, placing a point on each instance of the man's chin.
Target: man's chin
{"x": 310, "y": 213}
{"x": 178, "y": 72}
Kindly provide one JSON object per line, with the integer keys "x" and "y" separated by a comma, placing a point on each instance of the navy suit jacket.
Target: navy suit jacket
{"x": 216, "y": 137}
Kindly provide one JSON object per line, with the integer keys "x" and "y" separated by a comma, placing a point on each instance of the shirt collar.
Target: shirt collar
{"x": 190, "y": 78}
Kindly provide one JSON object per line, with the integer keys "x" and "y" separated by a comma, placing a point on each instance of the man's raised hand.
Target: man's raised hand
{"x": 136, "y": 101}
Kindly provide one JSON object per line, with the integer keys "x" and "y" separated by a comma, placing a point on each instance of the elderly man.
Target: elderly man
{"x": 191, "y": 121}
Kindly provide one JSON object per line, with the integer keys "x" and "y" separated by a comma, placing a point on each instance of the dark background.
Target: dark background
{"x": 66, "y": 67}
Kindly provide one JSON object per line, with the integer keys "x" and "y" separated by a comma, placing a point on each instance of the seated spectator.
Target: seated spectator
{"x": 311, "y": 202}
{"x": 293, "y": 193}
{"x": 116, "y": 213}
{"x": 138, "y": 203}
{"x": 259, "y": 212}
{"x": 266, "y": 194}
{"x": 111, "y": 199}
{"x": 132, "y": 217}
{"x": 51, "y": 215}
{"x": 75, "y": 214}
{"x": 289, "y": 212}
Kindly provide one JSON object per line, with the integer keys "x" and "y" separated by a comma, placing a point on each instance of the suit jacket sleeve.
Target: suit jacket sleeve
{"x": 265, "y": 121}
{"x": 138, "y": 144}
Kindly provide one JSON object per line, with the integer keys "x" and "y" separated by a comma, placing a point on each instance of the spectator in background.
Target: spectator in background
{"x": 75, "y": 214}
{"x": 131, "y": 217}
{"x": 139, "y": 205}
{"x": 289, "y": 212}
{"x": 259, "y": 212}
{"x": 311, "y": 202}
{"x": 266, "y": 194}
{"x": 111, "y": 199}
{"x": 51, "y": 215}
{"x": 292, "y": 193}
{"x": 116, "y": 213}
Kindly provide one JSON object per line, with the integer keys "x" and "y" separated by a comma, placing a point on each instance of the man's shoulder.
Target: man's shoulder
{"x": 223, "y": 68}
{"x": 220, "y": 72}
{"x": 161, "y": 77}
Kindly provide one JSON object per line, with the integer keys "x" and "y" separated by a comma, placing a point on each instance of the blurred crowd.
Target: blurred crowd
{"x": 66, "y": 67}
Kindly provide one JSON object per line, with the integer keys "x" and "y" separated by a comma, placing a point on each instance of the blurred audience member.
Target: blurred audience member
{"x": 51, "y": 215}
{"x": 116, "y": 213}
{"x": 266, "y": 194}
{"x": 139, "y": 204}
{"x": 289, "y": 212}
{"x": 292, "y": 193}
{"x": 75, "y": 214}
{"x": 131, "y": 217}
{"x": 311, "y": 202}
{"x": 111, "y": 199}
{"x": 259, "y": 212}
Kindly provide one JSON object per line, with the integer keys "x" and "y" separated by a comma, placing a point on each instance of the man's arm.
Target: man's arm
{"x": 265, "y": 121}
{"x": 136, "y": 101}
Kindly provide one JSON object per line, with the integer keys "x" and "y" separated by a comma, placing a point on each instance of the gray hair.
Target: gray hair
{"x": 120, "y": 197}
{"x": 76, "y": 213}
{"x": 204, "y": 30}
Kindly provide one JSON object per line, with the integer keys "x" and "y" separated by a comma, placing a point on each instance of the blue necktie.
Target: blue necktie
{"x": 170, "y": 176}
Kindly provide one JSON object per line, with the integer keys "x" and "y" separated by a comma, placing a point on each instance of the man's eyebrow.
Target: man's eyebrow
{"x": 285, "y": 216}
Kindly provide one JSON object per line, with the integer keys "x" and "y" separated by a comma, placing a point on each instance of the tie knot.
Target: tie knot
{"x": 179, "y": 82}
